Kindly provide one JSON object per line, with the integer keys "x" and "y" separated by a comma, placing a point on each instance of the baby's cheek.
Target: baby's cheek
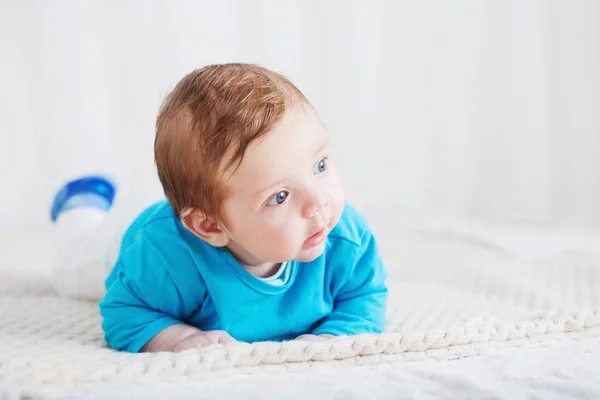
{"x": 335, "y": 192}
{"x": 286, "y": 244}
{"x": 264, "y": 244}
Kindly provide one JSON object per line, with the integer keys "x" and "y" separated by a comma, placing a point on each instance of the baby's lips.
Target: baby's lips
{"x": 317, "y": 238}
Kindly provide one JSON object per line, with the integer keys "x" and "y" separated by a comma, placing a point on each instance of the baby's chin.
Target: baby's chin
{"x": 310, "y": 254}
{"x": 303, "y": 254}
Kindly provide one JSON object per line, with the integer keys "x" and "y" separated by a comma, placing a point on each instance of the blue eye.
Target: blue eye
{"x": 278, "y": 198}
{"x": 321, "y": 166}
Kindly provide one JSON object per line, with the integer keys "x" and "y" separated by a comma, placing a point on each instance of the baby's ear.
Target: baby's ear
{"x": 206, "y": 228}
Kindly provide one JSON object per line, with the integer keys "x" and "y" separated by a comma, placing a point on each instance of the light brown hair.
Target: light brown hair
{"x": 206, "y": 124}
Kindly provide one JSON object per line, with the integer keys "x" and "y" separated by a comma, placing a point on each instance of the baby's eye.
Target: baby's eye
{"x": 278, "y": 198}
{"x": 321, "y": 166}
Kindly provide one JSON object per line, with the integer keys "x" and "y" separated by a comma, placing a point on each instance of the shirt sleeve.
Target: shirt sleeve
{"x": 360, "y": 304}
{"x": 141, "y": 299}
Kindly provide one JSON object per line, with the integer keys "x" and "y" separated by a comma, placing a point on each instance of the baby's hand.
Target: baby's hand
{"x": 180, "y": 337}
{"x": 203, "y": 339}
{"x": 315, "y": 338}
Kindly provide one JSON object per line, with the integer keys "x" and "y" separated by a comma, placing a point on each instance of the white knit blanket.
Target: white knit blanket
{"x": 449, "y": 298}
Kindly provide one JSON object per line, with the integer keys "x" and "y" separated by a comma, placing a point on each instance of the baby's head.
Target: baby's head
{"x": 244, "y": 161}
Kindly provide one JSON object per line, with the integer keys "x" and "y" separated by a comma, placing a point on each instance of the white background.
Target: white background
{"x": 454, "y": 109}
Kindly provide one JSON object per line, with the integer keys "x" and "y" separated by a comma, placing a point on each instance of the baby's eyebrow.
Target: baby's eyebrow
{"x": 322, "y": 146}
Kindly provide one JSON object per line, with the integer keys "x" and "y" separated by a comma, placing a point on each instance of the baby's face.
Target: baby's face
{"x": 286, "y": 195}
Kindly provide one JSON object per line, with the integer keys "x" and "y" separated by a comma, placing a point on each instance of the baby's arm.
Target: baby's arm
{"x": 144, "y": 309}
{"x": 360, "y": 300}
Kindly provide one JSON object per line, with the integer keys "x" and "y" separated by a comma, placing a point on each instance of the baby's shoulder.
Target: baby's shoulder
{"x": 157, "y": 234}
{"x": 153, "y": 215}
{"x": 156, "y": 247}
{"x": 351, "y": 247}
{"x": 352, "y": 229}
{"x": 156, "y": 223}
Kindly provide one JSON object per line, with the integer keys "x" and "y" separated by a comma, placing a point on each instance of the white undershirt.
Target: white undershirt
{"x": 281, "y": 277}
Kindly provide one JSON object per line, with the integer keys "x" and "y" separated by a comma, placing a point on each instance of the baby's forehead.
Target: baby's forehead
{"x": 258, "y": 166}
{"x": 282, "y": 153}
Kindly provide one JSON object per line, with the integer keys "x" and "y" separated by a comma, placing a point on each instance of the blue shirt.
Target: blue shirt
{"x": 166, "y": 275}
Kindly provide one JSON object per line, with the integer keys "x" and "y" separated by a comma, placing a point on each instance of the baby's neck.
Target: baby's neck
{"x": 255, "y": 267}
{"x": 261, "y": 270}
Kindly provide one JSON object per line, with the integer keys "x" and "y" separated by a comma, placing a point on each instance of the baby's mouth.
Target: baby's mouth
{"x": 316, "y": 238}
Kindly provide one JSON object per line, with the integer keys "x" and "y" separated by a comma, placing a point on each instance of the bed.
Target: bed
{"x": 476, "y": 311}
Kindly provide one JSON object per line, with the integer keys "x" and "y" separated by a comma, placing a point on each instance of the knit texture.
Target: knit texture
{"x": 449, "y": 298}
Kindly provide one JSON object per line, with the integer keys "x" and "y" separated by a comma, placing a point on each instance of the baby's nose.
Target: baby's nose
{"x": 315, "y": 205}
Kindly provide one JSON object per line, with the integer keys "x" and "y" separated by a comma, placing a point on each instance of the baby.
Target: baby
{"x": 255, "y": 241}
